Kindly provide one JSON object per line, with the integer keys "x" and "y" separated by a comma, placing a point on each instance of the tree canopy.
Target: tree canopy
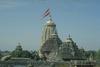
{"x": 20, "y": 53}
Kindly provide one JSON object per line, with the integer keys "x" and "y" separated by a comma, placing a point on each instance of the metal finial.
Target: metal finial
{"x": 69, "y": 36}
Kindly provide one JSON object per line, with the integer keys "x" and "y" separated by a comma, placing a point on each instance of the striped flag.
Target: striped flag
{"x": 46, "y": 13}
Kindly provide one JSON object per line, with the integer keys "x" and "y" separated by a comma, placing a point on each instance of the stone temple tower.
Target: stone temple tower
{"x": 50, "y": 40}
{"x": 48, "y": 31}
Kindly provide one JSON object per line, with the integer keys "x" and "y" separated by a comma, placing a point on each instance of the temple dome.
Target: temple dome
{"x": 50, "y": 23}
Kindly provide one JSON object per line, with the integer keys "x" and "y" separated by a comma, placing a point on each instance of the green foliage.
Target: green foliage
{"x": 98, "y": 55}
{"x": 89, "y": 53}
{"x": 35, "y": 55}
{"x": 20, "y": 53}
{"x": 26, "y": 54}
{"x": 16, "y": 53}
{"x": 0, "y": 55}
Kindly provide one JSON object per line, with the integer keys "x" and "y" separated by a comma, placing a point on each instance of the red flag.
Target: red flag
{"x": 46, "y": 13}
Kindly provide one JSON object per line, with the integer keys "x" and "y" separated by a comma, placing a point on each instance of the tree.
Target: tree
{"x": 0, "y": 55}
{"x": 26, "y": 54}
{"x": 35, "y": 55}
{"x": 89, "y": 53}
{"x": 17, "y": 52}
{"x": 20, "y": 53}
{"x": 98, "y": 55}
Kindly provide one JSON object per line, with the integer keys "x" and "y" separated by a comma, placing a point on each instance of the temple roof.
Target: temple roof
{"x": 50, "y": 23}
{"x": 69, "y": 39}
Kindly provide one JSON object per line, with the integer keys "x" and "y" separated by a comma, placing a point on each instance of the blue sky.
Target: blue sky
{"x": 20, "y": 21}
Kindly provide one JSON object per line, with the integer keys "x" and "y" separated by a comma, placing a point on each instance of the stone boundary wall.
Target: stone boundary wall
{"x": 42, "y": 64}
{"x": 34, "y": 63}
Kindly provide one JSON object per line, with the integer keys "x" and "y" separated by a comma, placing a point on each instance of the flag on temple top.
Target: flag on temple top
{"x": 46, "y": 13}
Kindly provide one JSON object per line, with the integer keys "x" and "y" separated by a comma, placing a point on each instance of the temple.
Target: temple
{"x": 54, "y": 49}
{"x": 53, "y": 52}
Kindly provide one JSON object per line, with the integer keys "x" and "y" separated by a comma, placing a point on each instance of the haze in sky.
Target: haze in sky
{"x": 20, "y": 21}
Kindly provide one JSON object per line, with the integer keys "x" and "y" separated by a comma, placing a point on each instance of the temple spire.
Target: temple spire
{"x": 49, "y": 29}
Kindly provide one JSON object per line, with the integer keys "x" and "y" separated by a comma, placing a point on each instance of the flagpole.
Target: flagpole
{"x": 50, "y": 17}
